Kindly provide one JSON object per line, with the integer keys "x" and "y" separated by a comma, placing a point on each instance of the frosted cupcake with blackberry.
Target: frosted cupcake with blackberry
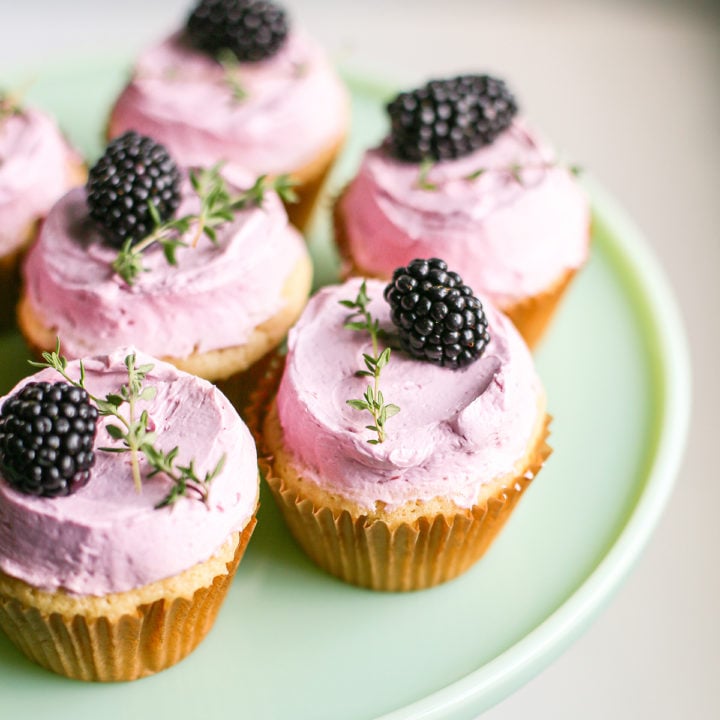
{"x": 37, "y": 166}
{"x": 239, "y": 84}
{"x": 201, "y": 271}
{"x": 128, "y": 492}
{"x": 395, "y": 469}
{"x": 462, "y": 176}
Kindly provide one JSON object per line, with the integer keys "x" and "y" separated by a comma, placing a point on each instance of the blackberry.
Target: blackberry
{"x": 437, "y": 316}
{"x": 134, "y": 171}
{"x": 46, "y": 438}
{"x": 252, "y": 29}
{"x": 447, "y": 119}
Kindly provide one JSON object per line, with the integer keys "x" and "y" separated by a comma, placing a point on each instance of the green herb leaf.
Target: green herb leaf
{"x": 475, "y": 175}
{"x": 10, "y": 104}
{"x": 115, "y": 432}
{"x": 284, "y": 186}
{"x": 148, "y": 393}
{"x": 391, "y": 410}
{"x": 516, "y": 172}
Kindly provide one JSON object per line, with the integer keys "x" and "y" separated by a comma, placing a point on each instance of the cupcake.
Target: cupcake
{"x": 211, "y": 283}
{"x": 37, "y": 166}
{"x": 102, "y": 579}
{"x": 396, "y": 469}
{"x": 462, "y": 176}
{"x": 237, "y": 83}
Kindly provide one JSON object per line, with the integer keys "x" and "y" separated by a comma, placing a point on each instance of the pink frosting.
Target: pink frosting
{"x": 213, "y": 298}
{"x": 295, "y": 106}
{"x": 508, "y": 239}
{"x": 35, "y": 171}
{"x": 456, "y": 430}
{"x": 108, "y": 538}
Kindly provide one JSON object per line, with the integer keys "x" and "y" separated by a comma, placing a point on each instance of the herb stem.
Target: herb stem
{"x": 372, "y": 400}
{"x": 134, "y": 463}
{"x": 376, "y": 384}
{"x": 201, "y": 220}
{"x": 146, "y": 242}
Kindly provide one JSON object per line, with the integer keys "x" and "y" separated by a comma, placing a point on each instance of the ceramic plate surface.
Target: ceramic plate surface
{"x": 293, "y": 642}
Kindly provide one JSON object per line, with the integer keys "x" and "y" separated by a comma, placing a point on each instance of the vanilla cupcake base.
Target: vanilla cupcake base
{"x": 121, "y": 636}
{"x": 415, "y": 546}
{"x": 226, "y": 365}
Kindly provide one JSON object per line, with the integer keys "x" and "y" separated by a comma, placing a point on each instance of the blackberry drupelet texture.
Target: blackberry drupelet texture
{"x": 438, "y": 317}
{"x": 47, "y": 433}
{"x": 133, "y": 172}
{"x": 447, "y": 119}
{"x": 251, "y": 29}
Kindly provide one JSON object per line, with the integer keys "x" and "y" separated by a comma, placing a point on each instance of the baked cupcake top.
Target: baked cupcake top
{"x": 37, "y": 166}
{"x": 273, "y": 115}
{"x": 504, "y": 208}
{"x": 457, "y": 429}
{"x": 213, "y": 297}
{"x": 107, "y": 537}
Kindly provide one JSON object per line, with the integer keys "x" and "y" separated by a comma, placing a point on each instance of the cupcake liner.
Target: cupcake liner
{"x": 242, "y": 388}
{"x": 408, "y": 556}
{"x": 98, "y": 648}
{"x": 261, "y": 396}
{"x": 532, "y": 315}
{"x": 310, "y": 179}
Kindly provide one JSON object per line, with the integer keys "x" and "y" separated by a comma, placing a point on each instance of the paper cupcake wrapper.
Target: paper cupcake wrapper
{"x": 370, "y": 553}
{"x": 260, "y": 398}
{"x": 242, "y": 388}
{"x": 310, "y": 180}
{"x": 156, "y": 636}
{"x": 531, "y": 315}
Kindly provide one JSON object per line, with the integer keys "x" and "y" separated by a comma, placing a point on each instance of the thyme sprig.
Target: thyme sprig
{"x": 514, "y": 170}
{"x": 217, "y": 206}
{"x": 232, "y": 77}
{"x": 135, "y": 432}
{"x": 184, "y": 477}
{"x": 422, "y": 182}
{"x": 12, "y": 100}
{"x": 10, "y": 104}
{"x": 373, "y": 400}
